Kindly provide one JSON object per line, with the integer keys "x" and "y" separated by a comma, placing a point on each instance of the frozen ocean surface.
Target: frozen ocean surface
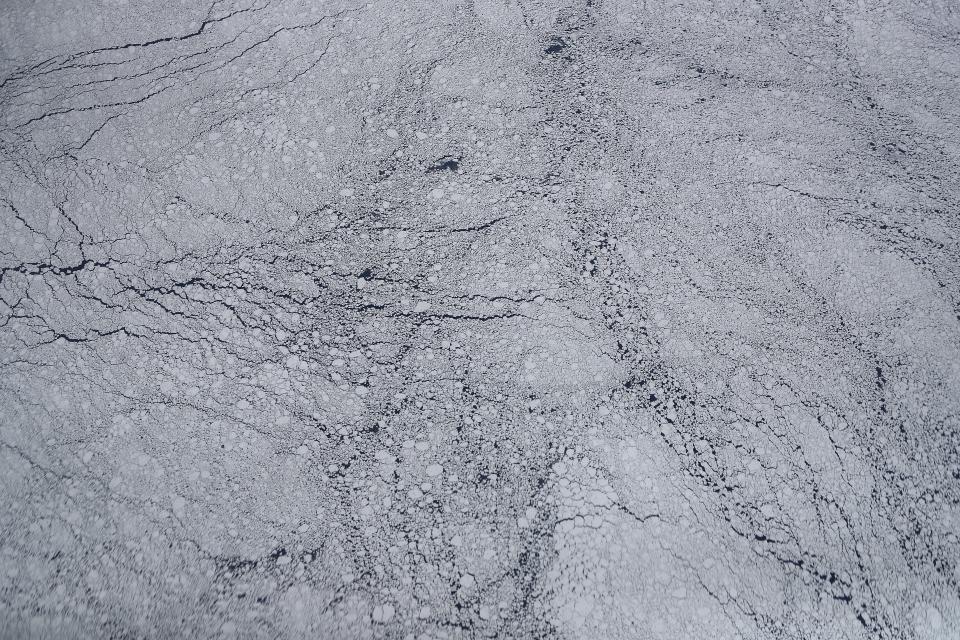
{"x": 514, "y": 319}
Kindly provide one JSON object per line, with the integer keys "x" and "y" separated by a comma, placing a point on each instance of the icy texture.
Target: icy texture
{"x": 418, "y": 319}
